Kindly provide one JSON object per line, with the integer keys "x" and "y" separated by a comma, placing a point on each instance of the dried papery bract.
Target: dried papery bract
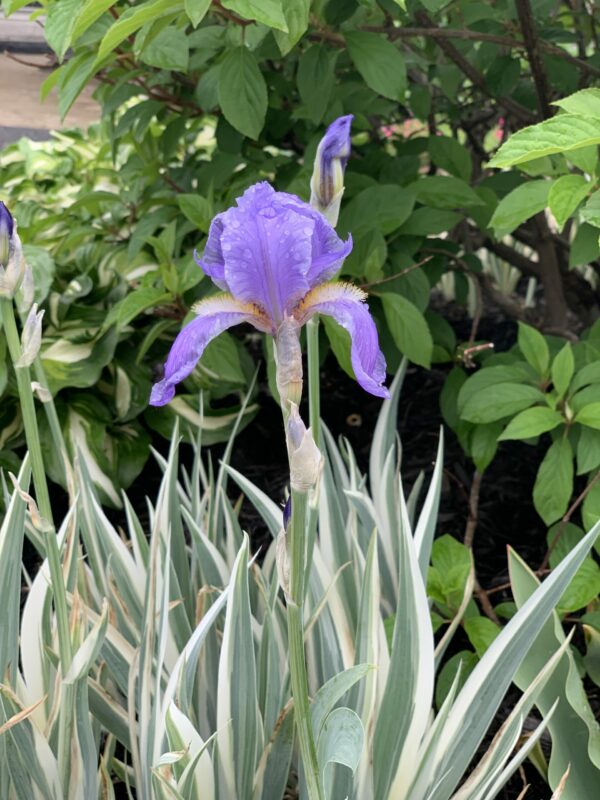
{"x": 288, "y": 359}
{"x": 305, "y": 457}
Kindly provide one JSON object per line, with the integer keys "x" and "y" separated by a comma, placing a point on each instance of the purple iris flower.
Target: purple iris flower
{"x": 273, "y": 255}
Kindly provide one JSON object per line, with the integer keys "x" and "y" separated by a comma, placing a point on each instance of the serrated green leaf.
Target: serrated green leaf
{"x": 565, "y": 195}
{"x": 315, "y": 80}
{"x": 380, "y": 63}
{"x": 59, "y": 26}
{"x": 451, "y": 155}
{"x": 519, "y": 205}
{"x": 532, "y": 422}
{"x": 384, "y": 207}
{"x": 562, "y": 369}
{"x": 590, "y": 213}
{"x": 243, "y": 92}
{"x": 560, "y": 134}
{"x": 90, "y": 11}
{"x": 268, "y": 12}
{"x": 588, "y": 450}
{"x": 585, "y": 101}
{"x": 481, "y": 632}
{"x": 445, "y": 192}
{"x": 498, "y": 401}
{"x": 197, "y": 209}
{"x": 589, "y": 415}
{"x": 132, "y": 20}
{"x": 483, "y": 444}
{"x": 409, "y": 329}
{"x": 585, "y": 247}
{"x": 196, "y": 10}
{"x": 535, "y": 348}
{"x": 169, "y": 49}
{"x": 554, "y": 482}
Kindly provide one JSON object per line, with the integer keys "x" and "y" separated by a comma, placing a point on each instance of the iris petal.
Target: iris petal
{"x": 267, "y": 254}
{"x": 345, "y": 303}
{"x": 212, "y": 261}
{"x": 328, "y": 250}
{"x": 215, "y": 315}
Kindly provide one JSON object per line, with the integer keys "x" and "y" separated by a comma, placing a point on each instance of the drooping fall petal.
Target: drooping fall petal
{"x": 346, "y": 304}
{"x": 215, "y": 315}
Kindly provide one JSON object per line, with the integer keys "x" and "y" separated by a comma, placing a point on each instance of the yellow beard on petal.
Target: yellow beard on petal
{"x": 327, "y": 292}
{"x": 226, "y": 303}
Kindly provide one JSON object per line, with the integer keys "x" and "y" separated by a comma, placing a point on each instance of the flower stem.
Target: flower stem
{"x": 27, "y": 411}
{"x": 314, "y": 389}
{"x": 50, "y": 540}
{"x": 297, "y": 534}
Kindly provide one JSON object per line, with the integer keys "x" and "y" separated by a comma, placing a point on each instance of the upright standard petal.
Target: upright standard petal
{"x": 215, "y": 314}
{"x": 328, "y": 251}
{"x": 267, "y": 251}
{"x": 212, "y": 262}
{"x": 346, "y": 304}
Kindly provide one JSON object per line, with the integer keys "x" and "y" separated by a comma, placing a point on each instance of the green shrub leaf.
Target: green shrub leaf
{"x": 379, "y": 62}
{"x": 243, "y": 92}
{"x": 532, "y": 422}
{"x": 554, "y": 482}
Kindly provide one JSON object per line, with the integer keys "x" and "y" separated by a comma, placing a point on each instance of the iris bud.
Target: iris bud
{"x": 288, "y": 358}
{"x": 305, "y": 457}
{"x": 7, "y": 227}
{"x": 12, "y": 263}
{"x": 327, "y": 182}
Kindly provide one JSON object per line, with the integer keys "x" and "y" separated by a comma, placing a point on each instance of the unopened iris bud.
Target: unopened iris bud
{"x": 31, "y": 338}
{"x": 12, "y": 264}
{"x": 305, "y": 457}
{"x": 7, "y": 227}
{"x": 327, "y": 182}
{"x": 288, "y": 359}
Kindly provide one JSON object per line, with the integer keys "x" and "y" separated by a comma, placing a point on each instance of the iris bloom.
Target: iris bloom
{"x": 273, "y": 257}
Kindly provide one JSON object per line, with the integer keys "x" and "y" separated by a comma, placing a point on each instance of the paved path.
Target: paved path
{"x": 21, "y": 111}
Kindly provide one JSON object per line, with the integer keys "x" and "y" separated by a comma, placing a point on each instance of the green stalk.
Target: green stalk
{"x": 314, "y": 389}
{"x": 297, "y": 535}
{"x": 27, "y": 411}
{"x": 43, "y": 501}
